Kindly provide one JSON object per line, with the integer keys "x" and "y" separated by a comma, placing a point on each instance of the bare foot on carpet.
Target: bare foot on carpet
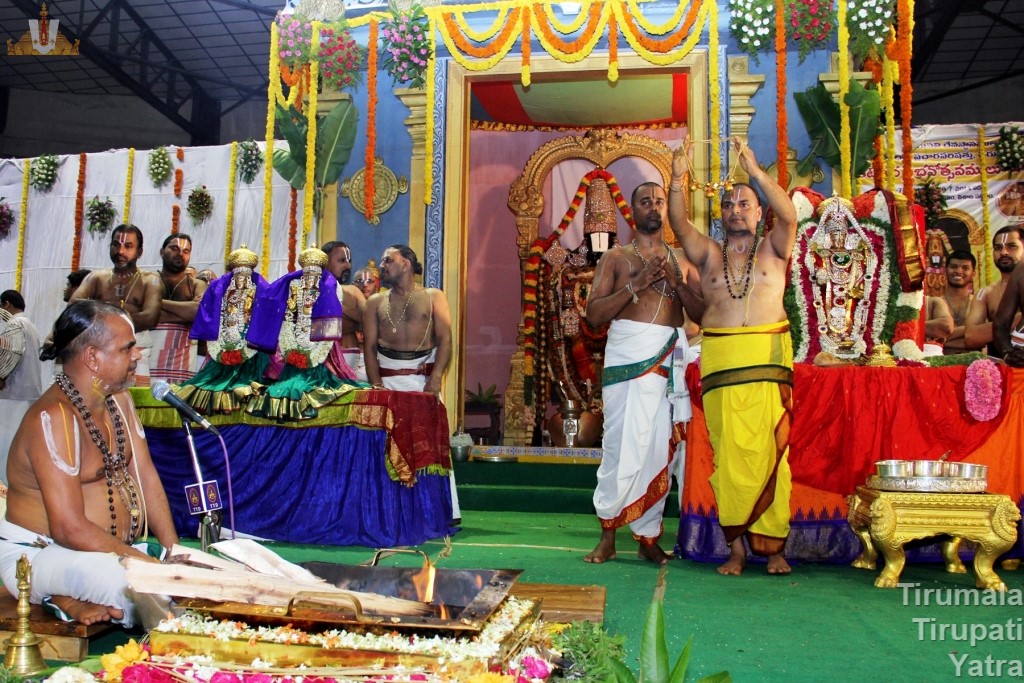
{"x": 777, "y": 565}
{"x": 653, "y": 553}
{"x": 86, "y": 612}
{"x": 737, "y": 561}
{"x": 604, "y": 550}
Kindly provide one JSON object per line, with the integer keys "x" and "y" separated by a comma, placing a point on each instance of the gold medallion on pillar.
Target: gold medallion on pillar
{"x": 386, "y": 188}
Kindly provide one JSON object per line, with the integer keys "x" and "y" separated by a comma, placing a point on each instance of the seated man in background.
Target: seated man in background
{"x": 83, "y": 489}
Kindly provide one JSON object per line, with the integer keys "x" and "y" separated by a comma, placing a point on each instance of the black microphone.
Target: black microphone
{"x": 162, "y": 391}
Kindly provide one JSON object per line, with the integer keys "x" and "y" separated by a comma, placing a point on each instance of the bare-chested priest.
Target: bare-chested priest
{"x": 747, "y": 357}
{"x": 137, "y": 293}
{"x": 353, "y": 303}
{"x": 83, "y": 489}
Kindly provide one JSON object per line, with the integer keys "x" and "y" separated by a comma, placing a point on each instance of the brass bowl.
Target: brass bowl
{"x": 895, "y": 468}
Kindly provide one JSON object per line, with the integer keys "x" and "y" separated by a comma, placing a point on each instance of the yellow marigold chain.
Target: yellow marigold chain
{"x": 985, "y": 217}
{"x": 310, "y": 189}
{"x": 478, "y": 64}
{"x": 662, "y": 59}
{"x": 656, "y": 29}
{"x": 889, "y": 68}
{"x": 268, "y": 151}
{"x": 128, "y": 182}
{"x": 428, "y": 156}
{"x": 715, "y": 92}
{"x": 564, "y": 29}
{"x": 229, "y": 219}
{"x": 22, "y": 222}
{"x": 579, "y": 49}
{"x": 488, "y": 33}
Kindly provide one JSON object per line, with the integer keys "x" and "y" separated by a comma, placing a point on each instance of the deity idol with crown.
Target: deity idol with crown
{"x": 233, "y": 368}
{"x": 843, "y": 266}
{"x": 298, "y": 318}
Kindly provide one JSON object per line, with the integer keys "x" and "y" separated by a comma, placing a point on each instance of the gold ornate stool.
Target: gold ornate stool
{"x": 886, "y": 520}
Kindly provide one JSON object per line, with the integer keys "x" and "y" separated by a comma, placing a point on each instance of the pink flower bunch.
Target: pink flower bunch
{"x": 341, "y": 58}
{"x": 6, "y": 218}
{"x": 983, "y": 390}
{"x": 809, "y": 23}
{"x": 530, "y": 670}
{"x": 406, "y": 46}
{"x": 295, "y": 39}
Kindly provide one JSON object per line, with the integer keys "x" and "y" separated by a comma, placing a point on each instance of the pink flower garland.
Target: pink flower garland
{"x": 983, "y": 390}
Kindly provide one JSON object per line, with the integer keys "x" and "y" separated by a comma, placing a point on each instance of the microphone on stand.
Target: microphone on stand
{"x": 162, "y": 391}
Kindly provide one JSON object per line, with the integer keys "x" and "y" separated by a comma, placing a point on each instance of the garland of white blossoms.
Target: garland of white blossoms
{"x": 868, "y": 22}
{"x": 294, "y": 335}
{"x": 159, "y": 166}
{"x": 43, "y": 173}
{"x": 752, "y": 24}
{"x": 233, "y": 321}
{"x": 1009, "y": 149}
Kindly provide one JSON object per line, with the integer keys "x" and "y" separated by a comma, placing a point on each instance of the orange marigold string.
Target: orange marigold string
{"x": 179, "y": 180}
{"x": 175, "y": 218}
{"x": 904, "y": 41}
{"x": 670, "y": 41}
{"x": 524, "y": 69}
{"x": 491, "y": 48}
{"x": 370, "y": 187}
{"x": 613, "y": 49}
{"x": 180, "y": 154}
{"x": 293, "y": 227}
{"x": 782, "y": 146}
{"x": 76, "y": 249}
{"x": 571, "y": 47}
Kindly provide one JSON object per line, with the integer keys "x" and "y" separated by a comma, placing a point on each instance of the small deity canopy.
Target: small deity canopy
{"x": 242, "y": 258}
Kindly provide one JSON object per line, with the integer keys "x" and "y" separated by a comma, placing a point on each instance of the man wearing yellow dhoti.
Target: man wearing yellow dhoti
{"x": 747, "y": 357}
{"x": 642, "y": 289}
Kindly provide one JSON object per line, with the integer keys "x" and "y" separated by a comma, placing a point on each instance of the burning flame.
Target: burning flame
{"x": 423, "y": 582}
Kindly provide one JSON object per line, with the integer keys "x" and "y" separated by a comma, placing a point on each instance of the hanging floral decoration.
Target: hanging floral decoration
{"x": 175, "y": 219}
{"x": 405, "y": 45}
{"x": 273, "y": 94}
{"x": 983, "y": 390}
{"x": 751, "y": 23}
{"x": 250, "y": 159}
{"x": 904, "y": 46}
{"x": 229, "y": 218}
{"x": 44, "y": 172}
{"x": 293, "y": 227}
{"x": 868, "y": 22}
{"x": 781, "y": 121}
{"x": 179, "y": 182}
{"x": 370, "y": 158}
{"x": 845, "y": 154}
{"x": 129, "y": 182}
{"x": 200, "y": 205}
{"x": 100, "y": 215}
{"x": 810, "y": 24}
{"x": 6, "y": 218}
{"x": 930, "y": 197}
{"x": 295, "y": 40}
{"x": 180, "y": 154}
{"x": 1009, "y": 149}
{"x": 159, "y": 167}
{"x": 22, "y": 220}
{"x": 76, "y": 248}
{"x": 341, "y": 58}
{"x": 986, "y": 216}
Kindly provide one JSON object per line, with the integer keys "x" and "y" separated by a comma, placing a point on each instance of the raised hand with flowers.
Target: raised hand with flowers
{"x": 405, "y": 45}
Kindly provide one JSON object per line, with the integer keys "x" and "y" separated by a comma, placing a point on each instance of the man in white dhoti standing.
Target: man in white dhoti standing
{"x": 407, "y": 332}
{"x": 642, "y": 288}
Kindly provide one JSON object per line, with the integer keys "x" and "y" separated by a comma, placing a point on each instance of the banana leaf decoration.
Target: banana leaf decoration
{"x": 820, "y": 113}
{"x": 335, "y": 137}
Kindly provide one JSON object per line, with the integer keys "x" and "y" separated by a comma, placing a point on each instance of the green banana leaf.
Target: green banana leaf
{"x": 335, "y": 136}
{"x": 653, "y": 650}
{"x": 822, "y": 118}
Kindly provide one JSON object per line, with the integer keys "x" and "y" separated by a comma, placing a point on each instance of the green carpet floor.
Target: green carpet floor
{"x": 822, "y": 623}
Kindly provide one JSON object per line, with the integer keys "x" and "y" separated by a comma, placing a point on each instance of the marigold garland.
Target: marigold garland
{"x": 613, "y": 49}
{"x": 310, "y": 189}
{"x": 524, "y": 69}
{"x": 655, "y": 51}
{"x": 180, "y": 154}
{"x": 670, "y": 41}
{"x": 888, "y": 76}
{"x": 904, "y": 41}
{"x": 572, "y": 26}
{"x": 175, "y": 219}
{"x": 268, "y": 167}
{"x": 76, "y": 248}
{"x": 662, "y": 29}
{"x": 985, "y": 216}
{"x": 575, "y": 50}
{"x": 293, "y": 226}
{"x": 370, "y": 188}
{"x": 782, "y": 146}
{"x": 179, "y": 182}
{"x": 715, "y": 93}
{"x": 844, "y": 108}
{"x": 428, "y": 156}
{"x": 229, "y": 219}
{"x": 455, "y": 35}
{"x": 22, "y": 220}
{"x": 488, "y": 33}
{"x": 129, "y": 181}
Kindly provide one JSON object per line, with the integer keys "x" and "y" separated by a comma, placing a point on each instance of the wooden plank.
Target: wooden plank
{"x": 562, "y": 603}
{"x": 58, "y": 648}
{"x": 42, "y": 622}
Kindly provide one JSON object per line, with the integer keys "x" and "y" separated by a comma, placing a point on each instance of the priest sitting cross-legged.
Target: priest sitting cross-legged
{"x": 83, "y": 489}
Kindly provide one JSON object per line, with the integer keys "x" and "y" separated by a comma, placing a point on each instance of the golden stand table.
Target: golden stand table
{"x": 885, "y": 520}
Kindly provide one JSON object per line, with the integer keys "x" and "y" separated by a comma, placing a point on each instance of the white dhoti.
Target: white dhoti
{"x": 637, "y": 459}
{"x": 411, "y": 375}
{"x": 173, "y": 358}
{"x": 144, "y": 343}
{"x": 355, "y": 360}
{"x": 92, "y": 577}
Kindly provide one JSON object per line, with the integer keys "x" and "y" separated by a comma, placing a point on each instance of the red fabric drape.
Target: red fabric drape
{"x": 845, "y": 419}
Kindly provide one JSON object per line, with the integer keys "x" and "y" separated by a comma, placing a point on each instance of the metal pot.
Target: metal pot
{"x": 968, "y": 470}
{"x": 461, "y": 453}
{"x": 931, "y": 468}
{"x": 895, "y": 468}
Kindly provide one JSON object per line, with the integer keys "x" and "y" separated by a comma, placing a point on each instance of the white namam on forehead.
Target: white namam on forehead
{"x": 71, "y": 469}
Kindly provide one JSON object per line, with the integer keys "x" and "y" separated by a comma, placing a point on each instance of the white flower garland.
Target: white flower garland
{"x": 234, "y": 323}
{"x": 294, "y": 336}
{"x": 752, "y": 24}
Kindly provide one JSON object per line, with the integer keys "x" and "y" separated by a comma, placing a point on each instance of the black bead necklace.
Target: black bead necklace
{"x": 748, "y": 268}
{"x": 115, "y": 465}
